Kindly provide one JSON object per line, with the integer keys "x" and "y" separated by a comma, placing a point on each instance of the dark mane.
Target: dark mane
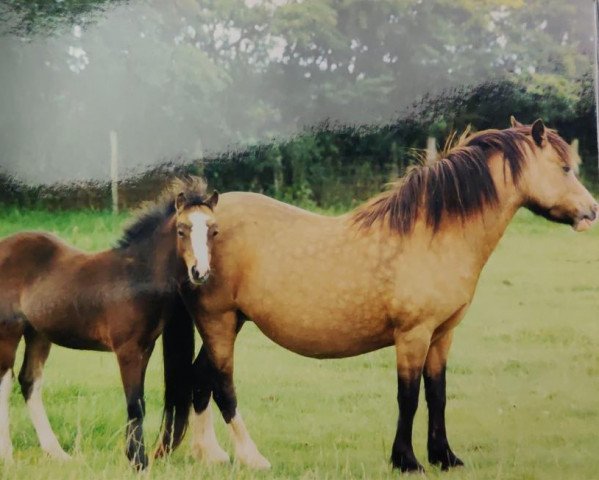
{"x": 458, "y": 185}
{"x": 154, "y": 214}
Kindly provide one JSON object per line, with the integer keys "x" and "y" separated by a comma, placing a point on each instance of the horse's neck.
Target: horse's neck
{"x": 487, "y": 228}
{"x": 154, "y": 260}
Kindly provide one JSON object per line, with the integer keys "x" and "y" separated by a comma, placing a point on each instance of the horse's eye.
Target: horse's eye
{"x": 566, "y": 168}
{"x": 214, "y": 233}
{"x": 181, "y": 233}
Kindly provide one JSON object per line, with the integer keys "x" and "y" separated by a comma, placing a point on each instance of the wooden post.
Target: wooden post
{"x": 278, "y": 174}
{"x": 114, "y": 171}
{"x": 431, "y": 150}
{"x": 394, "y": 172}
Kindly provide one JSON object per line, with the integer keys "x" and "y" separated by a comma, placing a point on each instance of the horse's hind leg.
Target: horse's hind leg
{"x": 218, "y": 334}
{"x": 37, "y": 348}
{"x": 205, "y": 446}
{"x": 10, "y": 335}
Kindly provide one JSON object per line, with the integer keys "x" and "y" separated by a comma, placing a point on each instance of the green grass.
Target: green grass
{"x": 523, "y": 381}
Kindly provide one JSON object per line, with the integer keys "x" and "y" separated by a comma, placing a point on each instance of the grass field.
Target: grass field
{"x": 523, "y": 381}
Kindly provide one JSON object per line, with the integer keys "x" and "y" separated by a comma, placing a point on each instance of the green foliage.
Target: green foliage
{"x": 27, "y": 17}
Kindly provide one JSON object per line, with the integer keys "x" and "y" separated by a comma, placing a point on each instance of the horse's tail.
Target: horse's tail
{"x": 178, "y": 350}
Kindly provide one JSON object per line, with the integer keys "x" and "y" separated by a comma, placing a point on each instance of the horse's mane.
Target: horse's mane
{"x": 153, "y": 214}
{"x": 458, "y": 184}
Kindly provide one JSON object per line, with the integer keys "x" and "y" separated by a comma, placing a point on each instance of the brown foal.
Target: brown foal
{"x": 118, "y": 300}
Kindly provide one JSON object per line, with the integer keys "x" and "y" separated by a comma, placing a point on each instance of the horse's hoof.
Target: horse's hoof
{"x": 162, "y": 451}
{"x": 140, "y": 463}
{"x": 407, "y": 464}
{"x": 253, "y": 459}
{"x": 6, "y": 453}
{"x": 411, "y": 468}
{"x": 6, "y": 457}
{"x": 445, "y": 459}
{"x": 210, "y": 454}
{"x": 59, "y": 454}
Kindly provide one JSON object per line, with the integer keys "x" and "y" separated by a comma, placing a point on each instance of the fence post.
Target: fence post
{"x": 278, "y": 174}
{"x": 431, "y": 150}
{"x": 114, "y": 171}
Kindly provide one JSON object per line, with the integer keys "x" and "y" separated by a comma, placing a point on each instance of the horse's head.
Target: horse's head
{"x": 196, "y": 229}
{"x": 550, "y": 186}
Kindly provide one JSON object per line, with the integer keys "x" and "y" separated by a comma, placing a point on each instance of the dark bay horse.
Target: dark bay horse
{"x": 118, "y": 300}
{"x": 400, "y": 270}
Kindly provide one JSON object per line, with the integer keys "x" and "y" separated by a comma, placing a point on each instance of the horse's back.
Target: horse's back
{"x": 25, "y": 256}
{"x": 40, "y": 247}
{"x": 261, "y": 205}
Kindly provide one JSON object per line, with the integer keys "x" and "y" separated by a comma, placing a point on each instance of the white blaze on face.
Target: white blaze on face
{"x": 199, "y": 241}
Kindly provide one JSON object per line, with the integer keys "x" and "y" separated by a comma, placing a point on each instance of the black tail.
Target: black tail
{"x": 178, "y": 351}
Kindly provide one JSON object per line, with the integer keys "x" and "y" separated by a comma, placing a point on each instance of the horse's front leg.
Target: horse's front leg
{"x": 439, "y": 452}
{"x": 411, "y": 348}
{"x": 204, "y": 443}
{"x": 218, "y": 334}
{"x": 133, "y": 361}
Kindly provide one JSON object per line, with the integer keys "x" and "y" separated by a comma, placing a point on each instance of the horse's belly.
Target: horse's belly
{"x": 65, "y": 323}
{"x": 67, "y": 333}
{"x": 77, "y": 342}
{"x": 325, "y": 337}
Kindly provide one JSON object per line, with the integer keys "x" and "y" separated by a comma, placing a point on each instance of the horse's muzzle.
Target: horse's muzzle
{"x": 197, "y": 278}
{"x": 586, "y": 221}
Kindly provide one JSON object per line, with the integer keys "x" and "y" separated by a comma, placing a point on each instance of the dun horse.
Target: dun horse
{"x": 118, "y": 300}
{"x": 400, "y": 270}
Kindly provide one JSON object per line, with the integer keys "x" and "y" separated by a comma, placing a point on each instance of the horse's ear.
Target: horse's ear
{"x": 213, "y": 200}
{"x": 180, "y": 202}
{"x": 539, "y": 134}
{"x": 514, "y": 123}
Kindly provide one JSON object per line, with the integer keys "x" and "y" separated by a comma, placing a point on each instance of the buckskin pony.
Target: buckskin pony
{"x": 400, "y": 270}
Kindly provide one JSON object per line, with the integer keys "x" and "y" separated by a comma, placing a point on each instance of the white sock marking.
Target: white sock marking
{"x": 204, "y": 443}
{"x": 5, "y": 443}
{"x": 245, "y": 448}
{"x": 38, "y": 416}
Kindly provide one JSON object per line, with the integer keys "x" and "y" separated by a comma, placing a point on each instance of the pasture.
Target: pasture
{"x": 523, "y": 381}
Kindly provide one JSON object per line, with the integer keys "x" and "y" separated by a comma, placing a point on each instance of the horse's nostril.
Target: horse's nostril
{"x": 593, "y": 214}
{"x": 194, "y": 273}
